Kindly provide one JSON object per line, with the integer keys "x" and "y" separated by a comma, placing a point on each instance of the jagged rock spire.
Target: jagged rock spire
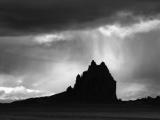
{"x": 103, "y": 65}
{"x": 95, "y": 84}
{"x": 93, "y": 63}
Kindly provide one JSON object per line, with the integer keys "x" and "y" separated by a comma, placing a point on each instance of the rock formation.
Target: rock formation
{"x": 94, "y": 85}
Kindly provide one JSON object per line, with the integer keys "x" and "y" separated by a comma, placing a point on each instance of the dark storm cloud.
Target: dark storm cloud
{"x": 21, "y": 16}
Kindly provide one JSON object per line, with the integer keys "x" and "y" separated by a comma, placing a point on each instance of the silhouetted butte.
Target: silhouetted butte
{"x": 94, "y": 85}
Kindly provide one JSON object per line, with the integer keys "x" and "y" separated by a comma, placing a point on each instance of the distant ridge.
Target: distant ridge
{"x": 96, "y": 85}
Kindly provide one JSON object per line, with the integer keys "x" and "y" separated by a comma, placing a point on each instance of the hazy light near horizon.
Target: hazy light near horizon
{"x": 16, "y": 93}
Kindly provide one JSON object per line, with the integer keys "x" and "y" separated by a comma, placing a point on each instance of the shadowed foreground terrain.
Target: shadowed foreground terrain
{"x": 93, "y": 97}
{"x": 81, "y": 112}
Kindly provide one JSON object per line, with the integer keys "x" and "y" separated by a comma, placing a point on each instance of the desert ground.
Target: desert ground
{"x": 81, "y": 112}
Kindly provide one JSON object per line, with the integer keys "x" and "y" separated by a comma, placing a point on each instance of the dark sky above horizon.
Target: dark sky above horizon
{"x": 44, "y": 44}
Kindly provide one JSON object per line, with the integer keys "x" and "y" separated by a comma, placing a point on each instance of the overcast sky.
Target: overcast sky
{"x": 44, "y": 44}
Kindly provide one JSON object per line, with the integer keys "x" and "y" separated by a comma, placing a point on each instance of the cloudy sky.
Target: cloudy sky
{"x": 44, "y": 44}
